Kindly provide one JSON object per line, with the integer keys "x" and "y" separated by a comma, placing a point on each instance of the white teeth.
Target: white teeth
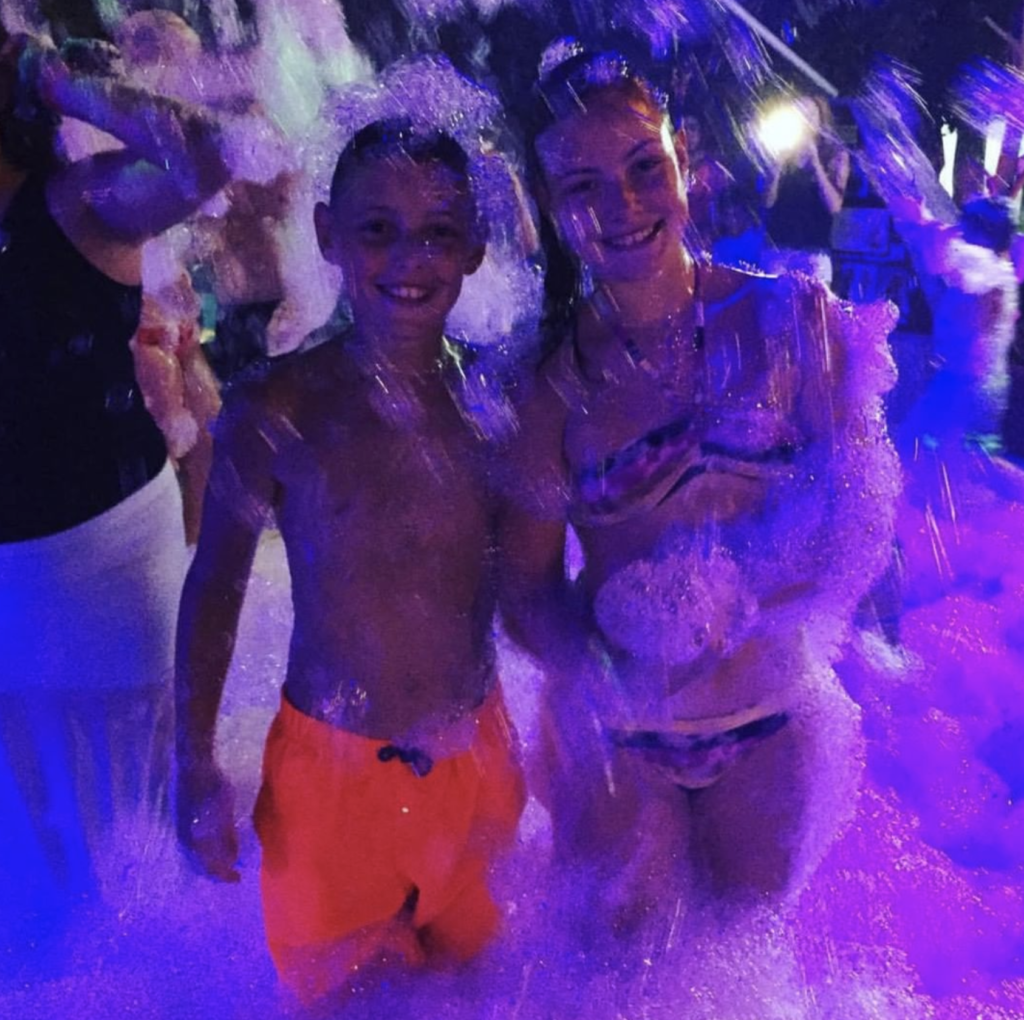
{"x": 631, "y": 240}
{"x": 406, "y": 293}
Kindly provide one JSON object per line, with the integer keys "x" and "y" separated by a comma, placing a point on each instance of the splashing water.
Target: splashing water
{"x": 890, "y": 926}
{"x": 916, "y": 912}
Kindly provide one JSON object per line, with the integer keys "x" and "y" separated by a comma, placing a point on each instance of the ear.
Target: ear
{"x": 474, "y": 259}
{"x": 323, "y": 220}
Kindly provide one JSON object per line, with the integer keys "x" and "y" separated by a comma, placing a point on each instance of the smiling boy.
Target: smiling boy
{"x": 390, "y": 775}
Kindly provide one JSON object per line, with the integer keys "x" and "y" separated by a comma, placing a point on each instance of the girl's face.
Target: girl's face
{"x": 405, "y": 235}
{"x": 613, "y": 185}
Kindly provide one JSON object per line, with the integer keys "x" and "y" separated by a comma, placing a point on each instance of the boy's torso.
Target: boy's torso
{"x": 388, "y": 528}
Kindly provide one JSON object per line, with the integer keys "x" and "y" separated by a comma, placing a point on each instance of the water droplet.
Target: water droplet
{"x": 120, "y": 398}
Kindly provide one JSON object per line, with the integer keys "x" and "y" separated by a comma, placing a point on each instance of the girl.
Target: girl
{"x": 715, "y": 440}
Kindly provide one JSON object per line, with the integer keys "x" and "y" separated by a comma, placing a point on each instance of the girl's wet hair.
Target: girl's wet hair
{"x": 384, "y": 139}
{"x": 562, "y": 90}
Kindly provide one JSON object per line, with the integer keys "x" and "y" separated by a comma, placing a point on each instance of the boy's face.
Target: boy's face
{"x": 405, "y": 235}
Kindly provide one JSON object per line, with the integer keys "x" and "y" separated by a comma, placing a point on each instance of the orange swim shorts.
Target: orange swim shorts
{"x": 369, "y": 854}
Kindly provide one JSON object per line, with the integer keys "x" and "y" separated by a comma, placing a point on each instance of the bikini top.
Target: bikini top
{"x": 745, "y": 438}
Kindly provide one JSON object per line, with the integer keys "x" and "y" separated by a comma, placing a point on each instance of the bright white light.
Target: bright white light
{"x": 994, "y": 145}
{"x": 949, "y": 140}
{"x": 782, "y": 129}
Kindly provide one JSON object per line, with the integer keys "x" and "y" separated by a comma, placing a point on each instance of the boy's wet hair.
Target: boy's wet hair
{"x": 385, "y": 139}
{"x": 988, "y": 222}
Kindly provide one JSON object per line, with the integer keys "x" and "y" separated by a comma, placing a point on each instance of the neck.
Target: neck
{"x": 640, "y": 303}
{"x": 409, "y": 354}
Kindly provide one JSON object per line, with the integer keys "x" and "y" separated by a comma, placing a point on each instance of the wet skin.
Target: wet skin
{"x": 613, "y": 190}
{"x": 385, "y": 513}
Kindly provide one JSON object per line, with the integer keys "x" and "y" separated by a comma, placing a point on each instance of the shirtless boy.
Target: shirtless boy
{"x": 390, "y": 775}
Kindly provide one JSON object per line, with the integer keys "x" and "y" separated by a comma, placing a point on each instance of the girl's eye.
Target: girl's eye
{"x": 582, "y": 187}
{"x": 648, "y": 163}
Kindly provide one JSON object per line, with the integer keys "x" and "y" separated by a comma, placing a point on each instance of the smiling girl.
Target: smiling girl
{"x": 703, "y": 430}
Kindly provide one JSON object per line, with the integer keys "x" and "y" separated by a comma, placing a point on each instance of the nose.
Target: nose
{"x": 411, "y": 250}
{"x": 620, "y": 199}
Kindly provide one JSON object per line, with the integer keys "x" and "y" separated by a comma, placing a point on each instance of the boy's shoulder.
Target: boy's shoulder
{"x": 288, "y": 383}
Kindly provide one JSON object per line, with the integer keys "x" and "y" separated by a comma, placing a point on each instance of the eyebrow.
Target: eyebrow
{"x": 582, "y": 171}
{"x": 387, "y": 210}
{"x": 642, "y": 145}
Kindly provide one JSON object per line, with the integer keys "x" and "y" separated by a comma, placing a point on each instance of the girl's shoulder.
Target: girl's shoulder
{"x": 724, "y": 286}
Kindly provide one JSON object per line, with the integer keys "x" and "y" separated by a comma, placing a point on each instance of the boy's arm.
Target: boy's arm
{"x": 238, "y": 497}
{"x": 535, "y": 597}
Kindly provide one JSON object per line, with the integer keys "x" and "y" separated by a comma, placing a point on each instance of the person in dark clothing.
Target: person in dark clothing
{"x": 91, "y": 539}
{"x": 803, "y": 193}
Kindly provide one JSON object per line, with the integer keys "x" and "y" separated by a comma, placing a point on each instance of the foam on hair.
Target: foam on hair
{"x": 398, "y": 137}
{"x": 569, "y": 74}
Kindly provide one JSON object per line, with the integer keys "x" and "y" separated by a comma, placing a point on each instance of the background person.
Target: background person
{"x": 91, "y": 544}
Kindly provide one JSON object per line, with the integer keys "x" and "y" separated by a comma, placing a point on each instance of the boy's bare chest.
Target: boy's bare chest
{"x": 354, "y": 469}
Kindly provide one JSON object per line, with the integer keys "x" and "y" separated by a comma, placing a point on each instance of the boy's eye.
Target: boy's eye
{"x": 442, "y": 232}
{"x": 375, "y": 229}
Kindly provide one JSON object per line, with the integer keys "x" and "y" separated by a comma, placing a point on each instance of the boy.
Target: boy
{"x": 390, "y": 775}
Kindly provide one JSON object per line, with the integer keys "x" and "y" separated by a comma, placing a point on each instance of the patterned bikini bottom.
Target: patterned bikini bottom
{"x": 694, "y": 755}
